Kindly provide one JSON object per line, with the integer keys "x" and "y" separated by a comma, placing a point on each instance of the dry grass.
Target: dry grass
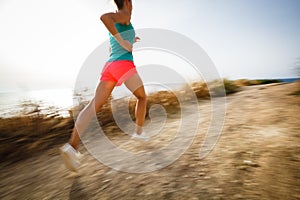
{"x": 32, "y": 131}
{"x": 245, "y": 82}
{"x": 23, "y": 136}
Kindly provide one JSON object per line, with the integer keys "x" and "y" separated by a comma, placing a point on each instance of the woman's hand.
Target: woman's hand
{"x": 137, "y": 39}
{"x": 127, "y": 45}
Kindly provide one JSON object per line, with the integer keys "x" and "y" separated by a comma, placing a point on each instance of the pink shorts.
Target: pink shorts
{"x": 118, "y": 71}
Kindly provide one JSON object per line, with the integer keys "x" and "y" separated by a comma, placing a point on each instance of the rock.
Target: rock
{"x": 218, "y": 190}
{"x": 106, "y": 181}
{"x": 250, "y": 163}
{"x": 201, "y": 174}
{"x": 242, "y": 167}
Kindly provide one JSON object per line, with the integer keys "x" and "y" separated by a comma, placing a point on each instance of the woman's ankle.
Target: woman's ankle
{"x": 139, "y": 129}
{"x": 75, "y": 146}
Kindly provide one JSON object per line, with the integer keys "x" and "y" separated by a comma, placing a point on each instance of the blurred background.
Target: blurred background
{"x": 255, "y": 47}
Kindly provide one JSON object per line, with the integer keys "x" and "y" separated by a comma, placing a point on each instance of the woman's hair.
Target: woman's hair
{"x": 119, "y": 3}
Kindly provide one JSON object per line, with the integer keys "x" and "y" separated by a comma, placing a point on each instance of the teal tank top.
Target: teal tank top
{"x": 117, "y": 52}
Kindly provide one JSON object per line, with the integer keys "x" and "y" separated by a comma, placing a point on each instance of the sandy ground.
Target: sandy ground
{"x": 256, "y": 157}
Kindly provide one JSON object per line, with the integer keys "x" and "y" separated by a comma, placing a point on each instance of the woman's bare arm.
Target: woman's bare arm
{"x": 122, "y": 17}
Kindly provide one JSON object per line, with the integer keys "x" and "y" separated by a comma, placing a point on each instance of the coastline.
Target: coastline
{"x": 13, "y": 103}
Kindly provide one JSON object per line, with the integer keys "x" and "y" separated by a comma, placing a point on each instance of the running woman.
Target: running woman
{"x": 119, "y": 69}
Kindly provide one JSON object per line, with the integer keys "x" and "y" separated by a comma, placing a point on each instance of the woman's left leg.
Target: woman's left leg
{"x": 103, "y": 91}
{"x": 69, "y": 151}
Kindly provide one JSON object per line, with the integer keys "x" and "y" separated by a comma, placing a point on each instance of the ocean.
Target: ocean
{"x": 16, "y": 103}
{"x": 289, "y": 80}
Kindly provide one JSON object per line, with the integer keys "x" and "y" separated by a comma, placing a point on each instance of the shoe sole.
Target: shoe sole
{"x": 139, "y": 139}
{"x": 67, "y": 161}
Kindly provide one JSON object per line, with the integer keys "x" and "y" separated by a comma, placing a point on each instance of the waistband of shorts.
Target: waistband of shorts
{"x": 120, "y": 61}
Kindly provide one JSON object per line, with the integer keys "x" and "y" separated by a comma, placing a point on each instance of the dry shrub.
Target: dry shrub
{"x": 230, "y": 86}
{"x": 21, "y": 137}
{"x": 245, "y": 82}
{"x": 167, "y": 99}
{"x": 201, "y": 90}
{"x": 217, "y": 88}
{"x": 242, "y": 82}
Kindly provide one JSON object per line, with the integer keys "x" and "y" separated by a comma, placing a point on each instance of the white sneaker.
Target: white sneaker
{"x": 141, "y": 136}
{"x": 70, "y": 157}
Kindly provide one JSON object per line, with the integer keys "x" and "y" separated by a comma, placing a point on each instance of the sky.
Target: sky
{"x": 43, "y": 43}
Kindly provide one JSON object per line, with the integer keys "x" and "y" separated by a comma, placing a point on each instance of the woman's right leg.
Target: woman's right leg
{"x": 135, "y": 85}
{"x": 103, "y": 91}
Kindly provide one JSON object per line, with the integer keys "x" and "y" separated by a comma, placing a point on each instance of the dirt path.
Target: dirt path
{"x": 257, "y": 157}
